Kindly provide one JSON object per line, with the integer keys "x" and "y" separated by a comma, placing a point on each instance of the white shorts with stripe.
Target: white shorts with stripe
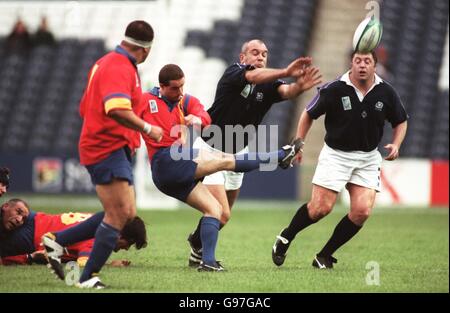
{"x": 337, "y": 168}
{"x": 230, "y": 180}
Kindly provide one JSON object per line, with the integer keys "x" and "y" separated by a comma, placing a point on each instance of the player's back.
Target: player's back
{"x": 113, "y": 84}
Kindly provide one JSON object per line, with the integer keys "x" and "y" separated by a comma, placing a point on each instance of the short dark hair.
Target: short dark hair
{"x": 135, "y": 232}
{"x": 4, "y": 176}
{"x": 170, "y": 72}
{"x": 17, "y": 200}
{"x": 373, "y": 53}
{"x": 140, "y": 30}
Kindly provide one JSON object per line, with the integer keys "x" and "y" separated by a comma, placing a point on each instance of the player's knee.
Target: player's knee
{"x": 359, "y": 215}
{"x": 214, "y": 210}
{"x": 319, "y": 209}
{"x": 225, "y": 217}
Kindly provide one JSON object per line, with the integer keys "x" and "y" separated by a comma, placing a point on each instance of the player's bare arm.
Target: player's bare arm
{"x": 398, "y": 136}
{"x": 265, "y": 75}
{"x": 310, "y": 77}
{"x": 304, "y": 125}
{"x": 128, "y": 119}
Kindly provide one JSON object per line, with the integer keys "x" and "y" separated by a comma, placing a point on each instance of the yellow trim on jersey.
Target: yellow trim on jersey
{"x": 117, "y": 103}
{"x": 82, "y": 260}
{"x": 94, "y": 69}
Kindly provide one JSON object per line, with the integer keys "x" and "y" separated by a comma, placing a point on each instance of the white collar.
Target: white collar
{"x": 346, "y": 79}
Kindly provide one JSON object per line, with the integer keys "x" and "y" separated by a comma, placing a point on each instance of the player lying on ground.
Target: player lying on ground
{"x": 21, "y": 230}
{"x": 167, "y": 106}
{"x": 356, "y": 107}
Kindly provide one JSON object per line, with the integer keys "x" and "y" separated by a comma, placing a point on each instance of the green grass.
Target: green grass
{"x": 410, "y": 245}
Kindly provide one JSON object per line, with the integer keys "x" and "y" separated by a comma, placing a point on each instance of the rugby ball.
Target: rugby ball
{"x": 368, "y": 35}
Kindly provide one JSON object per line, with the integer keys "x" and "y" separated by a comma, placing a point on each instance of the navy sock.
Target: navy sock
{"x": 105, "y": 241}
{"x": 209, "y": 233}
{"x": 83, "y": 231}
{"x": 251, "y": 161}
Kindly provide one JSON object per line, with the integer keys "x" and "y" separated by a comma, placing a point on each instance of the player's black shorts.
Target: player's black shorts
{"x": 175, "y": 178}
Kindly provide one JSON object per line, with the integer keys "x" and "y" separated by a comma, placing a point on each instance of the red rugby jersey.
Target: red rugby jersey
{"x": 156, "y": 111}
{"x": 44, "y": 223}
{"x": 113, "y": 84}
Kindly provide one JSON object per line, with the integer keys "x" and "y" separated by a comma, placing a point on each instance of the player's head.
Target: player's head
{"x": 134, "y": 233}
{"x": 171, "y": 82}
{"x": 4, "y": 180}
{"x": 254, "y": 52}
{"x": 14, "y": 214}
{"x": 138, "y": 40}
{"x": 363, "y": 66}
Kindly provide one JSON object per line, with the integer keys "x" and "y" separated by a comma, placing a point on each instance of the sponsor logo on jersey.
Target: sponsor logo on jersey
{"x": 346, "y": 103}
{"x": 153, "y": 106}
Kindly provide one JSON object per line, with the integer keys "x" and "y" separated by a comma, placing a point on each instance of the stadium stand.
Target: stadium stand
{"x": 40, "y": 92}
{"x": 416, "y": 31}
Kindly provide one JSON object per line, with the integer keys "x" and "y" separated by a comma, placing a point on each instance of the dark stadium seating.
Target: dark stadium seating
{"x": 416, "y": 31}
{"x": 41, "y": 94}
{"x": 267, "y": 20}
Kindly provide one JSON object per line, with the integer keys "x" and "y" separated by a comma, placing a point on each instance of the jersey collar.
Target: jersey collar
{"x": 156, "y": 92}
{"x": 346, "y": 79}
{"x": 124, "y": 52}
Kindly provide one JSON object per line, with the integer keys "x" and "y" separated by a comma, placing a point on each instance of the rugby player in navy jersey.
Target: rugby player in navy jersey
{"x": 356, "y": 107}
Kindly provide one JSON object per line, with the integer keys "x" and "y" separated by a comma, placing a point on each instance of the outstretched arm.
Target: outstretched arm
{"x": 265, "y": 75}
{"x": 309, "y": 78}
{"x": 398, "y": 136}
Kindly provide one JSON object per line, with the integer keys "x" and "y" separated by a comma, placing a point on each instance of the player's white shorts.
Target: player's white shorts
{"x": 230, "y": 180}
{"x": 336, "y": 168}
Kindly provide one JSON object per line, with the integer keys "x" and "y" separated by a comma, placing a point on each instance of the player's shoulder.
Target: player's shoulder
{"x": 332, "y": 85}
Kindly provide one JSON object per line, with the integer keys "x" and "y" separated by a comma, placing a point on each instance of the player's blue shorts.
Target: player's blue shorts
{"x": 116, "y": 165}
{"x": 175, "y": 178}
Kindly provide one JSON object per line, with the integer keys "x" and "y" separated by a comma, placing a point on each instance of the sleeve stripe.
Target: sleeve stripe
{"x": 117, "y": 103}
{"x": 116, "y": 95}
{"x": 314, "y": 101}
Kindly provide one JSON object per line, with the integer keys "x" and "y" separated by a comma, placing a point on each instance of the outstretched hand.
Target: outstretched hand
{"x": 298, "y": 66}
{"x": 311, "y": 77}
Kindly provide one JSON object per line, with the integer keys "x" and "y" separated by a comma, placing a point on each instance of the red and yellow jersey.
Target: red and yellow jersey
{"x": 44, "y": 223}
{"x": 156, "y": 111}
{"x": 113, "y": 84}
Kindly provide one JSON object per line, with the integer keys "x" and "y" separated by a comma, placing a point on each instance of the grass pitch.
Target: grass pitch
{"x": 410, "y": 246}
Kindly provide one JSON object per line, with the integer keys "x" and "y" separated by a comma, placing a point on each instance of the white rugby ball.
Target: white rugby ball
{"x": 367, "y": 35}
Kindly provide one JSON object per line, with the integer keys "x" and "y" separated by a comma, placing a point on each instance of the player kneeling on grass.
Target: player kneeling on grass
{"x": 21, "y": 230}
{"x": 356, "y": 107}
{"x": 168, "y": 107}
